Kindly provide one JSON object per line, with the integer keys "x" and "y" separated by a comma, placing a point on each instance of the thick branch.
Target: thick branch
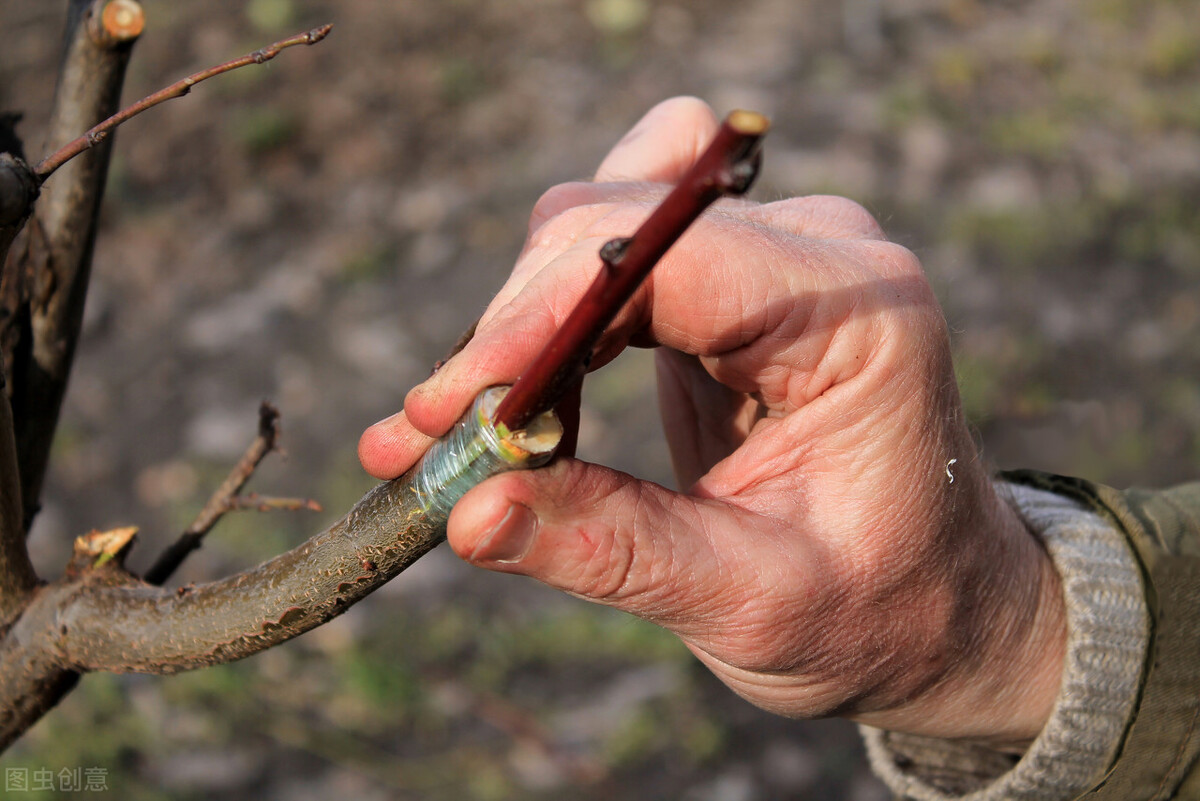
{"x": 17, "y": 576}
{"x": 728, "y": 166}
{"x": 100, "y": 617}
{"x": 57, "y": 260}
{"x": 18, "y": 191}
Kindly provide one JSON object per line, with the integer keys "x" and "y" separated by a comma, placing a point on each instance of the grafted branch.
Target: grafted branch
{"x": 728, "y": 166}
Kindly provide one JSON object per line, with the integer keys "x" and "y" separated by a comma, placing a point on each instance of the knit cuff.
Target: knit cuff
{"x": 1108, "y": 633}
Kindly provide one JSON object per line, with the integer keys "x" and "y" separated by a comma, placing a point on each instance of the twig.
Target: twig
{"x": 224, "y": 499}
{"x": 728, "y": 166}
{"x": 97, "y": 134}
{"x": 267, "y": 503}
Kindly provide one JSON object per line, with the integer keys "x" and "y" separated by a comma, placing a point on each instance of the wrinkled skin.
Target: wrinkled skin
{"x": 827, "y": 556}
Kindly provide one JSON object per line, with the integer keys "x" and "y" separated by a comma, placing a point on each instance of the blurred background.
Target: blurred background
{"x": 318, "y": 231}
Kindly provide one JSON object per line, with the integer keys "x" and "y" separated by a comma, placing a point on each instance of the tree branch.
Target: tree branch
{"x": 222, "y": 498}
{"x": 56, "y": 263}
{"x": 728, "y": 166}
{"x": 98, "y": 616}
{"x": 97, "y": 134}
{"x": 17, "y": 576}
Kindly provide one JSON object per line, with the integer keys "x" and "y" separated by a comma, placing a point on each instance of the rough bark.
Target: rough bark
{"x": 57, "y": 259}
{"x": 17, "y": 576}
{"x": 18, "y": 191}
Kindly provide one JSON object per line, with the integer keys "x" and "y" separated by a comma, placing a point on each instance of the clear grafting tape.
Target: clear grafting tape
{"x": 474, "y": 450}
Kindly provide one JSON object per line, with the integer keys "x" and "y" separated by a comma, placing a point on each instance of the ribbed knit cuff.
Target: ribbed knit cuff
{"x": 1108, "y": 633}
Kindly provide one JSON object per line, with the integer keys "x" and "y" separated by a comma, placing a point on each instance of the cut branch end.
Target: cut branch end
{"x": 748, "y": 123}
{"x": 120, "y": 21}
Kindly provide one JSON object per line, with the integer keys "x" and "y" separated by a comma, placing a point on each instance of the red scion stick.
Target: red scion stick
{"x": 728, "y": 166}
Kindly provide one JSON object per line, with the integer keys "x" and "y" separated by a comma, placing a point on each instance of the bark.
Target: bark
{"x": 57, "y": 258}
{"x": 18, "y": 191}
{"x": 17, "y": 576}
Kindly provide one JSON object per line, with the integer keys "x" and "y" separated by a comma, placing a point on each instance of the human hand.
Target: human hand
{"x": 839, "y": 548}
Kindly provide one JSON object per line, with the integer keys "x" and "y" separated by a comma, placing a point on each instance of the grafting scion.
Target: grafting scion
{"x": 727, "y": 167}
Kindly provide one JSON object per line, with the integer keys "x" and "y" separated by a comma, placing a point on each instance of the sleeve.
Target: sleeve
{"x": 1124, "y": 726}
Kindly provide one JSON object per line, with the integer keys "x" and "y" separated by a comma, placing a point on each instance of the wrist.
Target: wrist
{"x": 1108, "y": 636}
{"x": 1005, "y": 635}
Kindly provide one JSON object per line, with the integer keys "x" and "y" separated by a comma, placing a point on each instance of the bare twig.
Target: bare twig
{"x": 728, "y": 166}
{"x": 96, "y": 134}
{"x": 266, "y": 503}
{"x": 18, "y": 192}
{"x": 42, "y": 293}
{"x": 224, "y": 499}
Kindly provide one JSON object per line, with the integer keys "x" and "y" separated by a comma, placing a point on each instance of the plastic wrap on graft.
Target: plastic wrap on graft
{"x": 474, "y": 450}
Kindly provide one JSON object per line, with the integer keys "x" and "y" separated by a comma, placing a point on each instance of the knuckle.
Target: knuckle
{"x": 892, "y": 260}
{"x": 853, "y": 217}
{"x": 832, "y": 215}
{"x": 557, "y": 201}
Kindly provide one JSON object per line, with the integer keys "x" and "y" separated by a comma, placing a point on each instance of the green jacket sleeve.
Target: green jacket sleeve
{"x": 1159, "y": 756}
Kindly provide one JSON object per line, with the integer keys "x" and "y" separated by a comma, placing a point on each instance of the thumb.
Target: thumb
{"x": 598, "y": 534}
{"x": 664, "y": 143}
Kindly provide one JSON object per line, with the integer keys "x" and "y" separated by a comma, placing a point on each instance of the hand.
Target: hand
{"x": 839, "y": 549}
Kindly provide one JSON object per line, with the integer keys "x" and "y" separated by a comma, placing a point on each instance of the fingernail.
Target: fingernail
{"x": 511, "y": 539}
